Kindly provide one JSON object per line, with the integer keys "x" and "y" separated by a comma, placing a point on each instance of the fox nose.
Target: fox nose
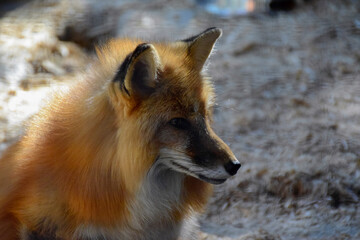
{"x": 232, "y": 167}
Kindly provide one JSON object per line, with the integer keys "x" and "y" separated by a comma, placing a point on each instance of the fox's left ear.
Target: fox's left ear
{"x": 136, "y": 76}
{"x": 201, "y": 45}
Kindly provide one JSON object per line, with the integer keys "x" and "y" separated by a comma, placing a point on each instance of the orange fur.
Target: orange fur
{"x": 85, "y": 156}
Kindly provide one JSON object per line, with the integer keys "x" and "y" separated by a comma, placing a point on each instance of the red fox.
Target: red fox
{"x": 126, "y": 153}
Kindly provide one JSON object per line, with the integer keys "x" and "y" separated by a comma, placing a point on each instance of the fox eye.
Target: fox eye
{"x": 180, "y": 123}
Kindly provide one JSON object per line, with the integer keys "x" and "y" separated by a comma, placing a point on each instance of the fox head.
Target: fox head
{"x": 164, "y": 101}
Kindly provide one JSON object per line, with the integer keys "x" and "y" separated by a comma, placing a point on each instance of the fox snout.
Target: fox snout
{"x": 230, "y": 166}
{"x": 211, "y": 153}
{"x": 199, "y": 152}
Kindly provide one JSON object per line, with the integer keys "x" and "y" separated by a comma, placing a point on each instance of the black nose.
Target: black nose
{"x": 232, "y": 167}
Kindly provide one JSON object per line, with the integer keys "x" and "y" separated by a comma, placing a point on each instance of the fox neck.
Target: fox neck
{"x": 169, "y": 196}
{"x": 159, "y": 199}
{"x": 164, "y": 185}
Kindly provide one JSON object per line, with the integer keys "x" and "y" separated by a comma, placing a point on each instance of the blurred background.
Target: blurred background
{"x": 287, "y": 78}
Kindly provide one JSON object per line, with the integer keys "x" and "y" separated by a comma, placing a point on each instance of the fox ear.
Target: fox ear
{"x": 201, "y": 45}
{"x": 137, "y": 74}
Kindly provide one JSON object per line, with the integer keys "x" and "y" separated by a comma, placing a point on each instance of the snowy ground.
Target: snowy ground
{"x": 288, "y": 101}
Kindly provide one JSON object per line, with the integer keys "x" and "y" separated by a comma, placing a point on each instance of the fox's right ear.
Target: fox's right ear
{"x": 137, "y": 75}
{"x": 200, "y": 46}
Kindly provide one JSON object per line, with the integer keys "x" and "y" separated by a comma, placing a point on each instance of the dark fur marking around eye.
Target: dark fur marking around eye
{"x": 180, "y": 123}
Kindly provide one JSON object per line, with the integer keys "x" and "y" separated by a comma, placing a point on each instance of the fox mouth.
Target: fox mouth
{"x": 214, "y": 181}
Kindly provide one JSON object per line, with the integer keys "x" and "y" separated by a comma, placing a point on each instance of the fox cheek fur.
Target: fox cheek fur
{"x": 127, "y": 153}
